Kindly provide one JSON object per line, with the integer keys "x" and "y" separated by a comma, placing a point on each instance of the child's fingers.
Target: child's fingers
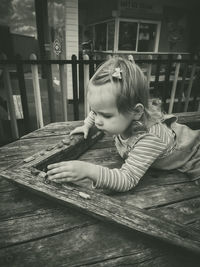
{"x": 60, "y": 175}
{"x": 57, "y": 165}
{"x": 60, "y": 180}
{"x": 52, "y": 166}
{"x": 61, "y": 169}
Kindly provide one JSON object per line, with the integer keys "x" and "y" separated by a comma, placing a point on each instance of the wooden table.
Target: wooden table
{"x": 35, "y": 231}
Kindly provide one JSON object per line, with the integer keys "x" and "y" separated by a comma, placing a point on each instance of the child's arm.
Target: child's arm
{"x": 140, "y": 159}
{"x": 88, "y": 123}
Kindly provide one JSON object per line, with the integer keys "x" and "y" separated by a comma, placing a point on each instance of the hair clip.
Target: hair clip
{"x": 117, "y": 73}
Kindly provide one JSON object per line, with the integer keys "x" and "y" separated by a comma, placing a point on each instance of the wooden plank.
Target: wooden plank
{"x": 22, "y": 88}
{"x": 36, "y": 90}
{"x": 10, "y": 101}
{"x": 157, "y": 74}
{"x": 73, "y": 248}
{"x": 40, "y": 230}
{"x": 15, "y": 152}
{"x": 188, "y": 92}
{"x": 149, "y": 69}
{"x": 181, "y": 90}
{"x": 38, "y": 224}
{"x": 75, "y": 88}
{"x": 63, "y": 87}
{"x": 167, "y": 80}
{"x": 54, "y": 129}
{"x": 184, "y": 212}
{"x": 86, "y": 81}
{"x": 174, "y": 85}
{"x": 167, "y": 194}
{"x": 62, "y": 128}
{"x": 109, "y": 209}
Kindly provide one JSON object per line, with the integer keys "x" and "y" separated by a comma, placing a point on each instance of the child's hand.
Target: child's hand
{"x": 68, "y": 171}
{"x": 81, "y": 129}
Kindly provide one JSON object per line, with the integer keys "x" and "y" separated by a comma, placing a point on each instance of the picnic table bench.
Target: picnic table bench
{"x": 35, "y": 231}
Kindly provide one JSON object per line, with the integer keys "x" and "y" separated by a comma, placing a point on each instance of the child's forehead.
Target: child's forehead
{"x": 107, "y": 89}
{"x": 100, "y": 94}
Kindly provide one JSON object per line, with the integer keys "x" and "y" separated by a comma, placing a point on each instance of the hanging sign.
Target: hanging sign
{"x": 57, "y": 47}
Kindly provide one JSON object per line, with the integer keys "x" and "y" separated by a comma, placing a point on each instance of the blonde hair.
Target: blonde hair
{"x": 130, "y": 87}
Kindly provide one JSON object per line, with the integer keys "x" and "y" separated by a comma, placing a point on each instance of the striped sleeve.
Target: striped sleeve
{"x": 140, "y": 158}
{"x": 89, "y": 121}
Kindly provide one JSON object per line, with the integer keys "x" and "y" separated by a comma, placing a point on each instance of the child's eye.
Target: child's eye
{"x": 107, "y": 116}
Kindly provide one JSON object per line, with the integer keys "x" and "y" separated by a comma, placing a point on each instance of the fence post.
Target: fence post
{"x": 11, "y": 106}
{"x": 63, "y": 91}
{"x": 188, "y": 92}
{"x": 75, "y": 87}
{"x": 173, "y": 91}
{"x": 86, "y": 81}
{"x": 37, "y": 96}
{"x": 91, "y": 67}
{"x": 149, "y": 67}
{"x": 198, "y": 109}
{"x": 22, "y": 88}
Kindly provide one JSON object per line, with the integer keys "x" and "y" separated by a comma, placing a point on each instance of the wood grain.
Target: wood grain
{"x": 110, "y": 209}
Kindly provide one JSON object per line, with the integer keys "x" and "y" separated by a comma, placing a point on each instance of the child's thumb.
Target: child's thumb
{"x": 85, "y": 134}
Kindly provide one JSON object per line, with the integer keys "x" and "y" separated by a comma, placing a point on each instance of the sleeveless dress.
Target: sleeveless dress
{"x": 186, "y": 153}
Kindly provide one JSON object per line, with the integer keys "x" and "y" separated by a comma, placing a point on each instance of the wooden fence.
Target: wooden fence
{"x": 175, "y": 79}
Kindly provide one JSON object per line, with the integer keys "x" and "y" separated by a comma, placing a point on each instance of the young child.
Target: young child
{"x": 144, "y": 137}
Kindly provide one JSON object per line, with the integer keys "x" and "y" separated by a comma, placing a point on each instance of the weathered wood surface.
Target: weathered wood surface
{"x": 108, "y": 208}
{"x": 38, "y": 232}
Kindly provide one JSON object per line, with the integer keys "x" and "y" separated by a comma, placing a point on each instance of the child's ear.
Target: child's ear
{"x": 138, "y": 111}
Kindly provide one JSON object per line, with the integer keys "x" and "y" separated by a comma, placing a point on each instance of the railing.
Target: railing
{"x": 173, "y": 78}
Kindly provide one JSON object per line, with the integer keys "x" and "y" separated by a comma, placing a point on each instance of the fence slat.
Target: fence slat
{"x": 165, "y": 88}
{"x": 157, "y": 74}
{"x": 22, "y": 88}
{"x": 188, "y": 92}
{"x": 149, "y": 68}
{"x": 181, "y": 92}
{"x": 75, "y": 87}
{"x": 37, "y": 96}
{"x": 174, "y": 86}
{"x": 86, "y": 81}
{"x": 9, "y": 95}
{"x": 63, "y": 88}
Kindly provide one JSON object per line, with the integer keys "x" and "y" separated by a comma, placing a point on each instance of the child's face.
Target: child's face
{"x": 102, "y": 101}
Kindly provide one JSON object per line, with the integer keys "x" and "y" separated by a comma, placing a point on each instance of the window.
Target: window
{"x": 104, "y": 36}
{"x": 127, "y": 36}
{"x": 111, "y": 35}
{"x": 131, "y": 35}
{"x": 137, "y": 36}
{"x": 147, "y": 36}
{"x": 100, "y": 36}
